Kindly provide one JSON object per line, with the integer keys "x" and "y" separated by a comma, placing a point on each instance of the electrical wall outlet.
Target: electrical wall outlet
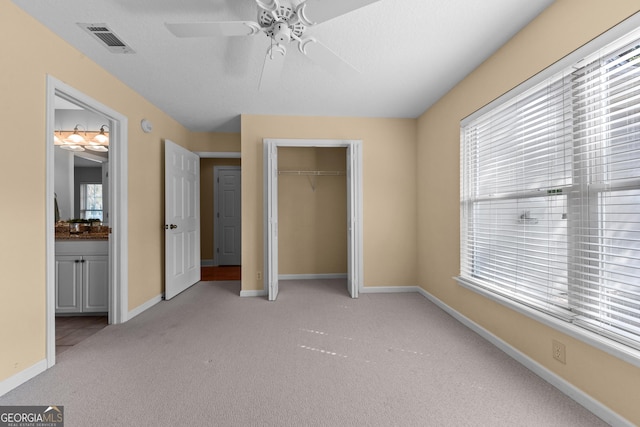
{"x": 259, "y": 275}
{"x": 559, "y": 351}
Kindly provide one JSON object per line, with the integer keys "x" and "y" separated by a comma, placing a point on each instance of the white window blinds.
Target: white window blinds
{"x": 605, "y": 199}
{"x": 550, "y": 195}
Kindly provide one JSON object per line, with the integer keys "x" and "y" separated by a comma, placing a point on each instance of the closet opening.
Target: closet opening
{"x": 313, "y": 205}
{"x": 312, "y": 211}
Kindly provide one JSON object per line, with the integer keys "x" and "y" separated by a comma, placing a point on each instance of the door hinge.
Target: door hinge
{"x": 218, "y": 214}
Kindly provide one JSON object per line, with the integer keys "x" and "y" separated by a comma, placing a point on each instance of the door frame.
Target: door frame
{"x": 216, "y": 218}
{"x": 355, "y": 274}
{"x": 118, "y": 222}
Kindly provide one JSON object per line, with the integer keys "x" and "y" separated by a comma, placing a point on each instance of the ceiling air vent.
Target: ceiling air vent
{"x": 107, "y": 37}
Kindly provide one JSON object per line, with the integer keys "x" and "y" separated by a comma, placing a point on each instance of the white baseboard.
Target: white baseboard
{"x": 22, "y": 377}
{"x": 145, "y": 306}
{"x": 388, "y": 289}
{"x": 591, "y": 404}
{"x": 256, "y": 293}
{"x": 312, "y": 276}
{"x": 365, "y": 290}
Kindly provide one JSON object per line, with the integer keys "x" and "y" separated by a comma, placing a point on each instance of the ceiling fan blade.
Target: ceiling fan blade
{"x": 214, "y": 29}
{"x": 273, "y": 63}
{"x": 312, "y": 12}
{"x": 325, "y": 57}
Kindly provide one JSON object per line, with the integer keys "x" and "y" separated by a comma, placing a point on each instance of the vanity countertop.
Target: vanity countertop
{"x": 63, "y": 231}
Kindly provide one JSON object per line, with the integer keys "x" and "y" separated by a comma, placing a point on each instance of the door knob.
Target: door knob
{"x": 172, "y": 226}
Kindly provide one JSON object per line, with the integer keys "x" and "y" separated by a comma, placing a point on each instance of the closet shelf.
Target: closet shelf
{"x": 313, "y": 173}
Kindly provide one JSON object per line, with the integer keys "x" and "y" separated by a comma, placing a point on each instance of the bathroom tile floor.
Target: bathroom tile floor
{"x": 70, "y": 330}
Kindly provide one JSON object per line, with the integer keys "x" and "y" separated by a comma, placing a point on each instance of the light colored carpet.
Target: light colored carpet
{"x": 315, "y": 357}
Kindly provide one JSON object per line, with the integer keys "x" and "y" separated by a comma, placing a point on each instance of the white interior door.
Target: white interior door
{"x": 271, "y": 220}
{"x": 352, "y": 221}
{"x": 228, "y": 215}
{"x": 182, "y": 219}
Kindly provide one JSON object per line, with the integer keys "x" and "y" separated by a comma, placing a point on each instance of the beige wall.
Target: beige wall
{"x": 563, "y": 27}
{"x": 22, "y": 179}
{"x": 389, "y": 187}
{"x": 312, "y": 212}
{"x": 214, "y": 142}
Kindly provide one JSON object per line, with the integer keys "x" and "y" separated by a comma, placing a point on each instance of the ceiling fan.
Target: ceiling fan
{"x": 284, "y": 22}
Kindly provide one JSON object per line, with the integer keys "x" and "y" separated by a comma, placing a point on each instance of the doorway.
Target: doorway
{"x": 81, "y": 162}
{"x": 210, "y": 268}
{"x": 116, "y": 266}
{"x": 353, "y": 217}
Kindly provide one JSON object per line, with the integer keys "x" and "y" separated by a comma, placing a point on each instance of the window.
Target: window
{"x": 550, "y": 195}
{"x": 91, "y": 201}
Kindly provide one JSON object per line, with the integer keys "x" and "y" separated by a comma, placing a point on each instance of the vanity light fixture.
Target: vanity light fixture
{"x": 76, "y": 142}
{"x": 57, "y": 140}
{"x": 100, "y": 148}
{"x": 100, "y": 138}
{"x": 72, "y": 147}
{"x": 75, "y": 138}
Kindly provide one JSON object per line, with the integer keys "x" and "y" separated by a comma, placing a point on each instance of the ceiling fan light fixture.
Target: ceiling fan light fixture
{"x": 281, "y": 32}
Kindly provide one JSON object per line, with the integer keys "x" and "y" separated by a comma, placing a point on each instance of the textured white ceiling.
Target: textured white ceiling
{"x": 409, "y": 52}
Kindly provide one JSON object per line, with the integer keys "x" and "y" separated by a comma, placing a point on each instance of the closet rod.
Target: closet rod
{"x": 314, "y": 173}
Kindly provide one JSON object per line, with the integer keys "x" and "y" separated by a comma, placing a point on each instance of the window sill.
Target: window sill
{"x": 621, "y": 351}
